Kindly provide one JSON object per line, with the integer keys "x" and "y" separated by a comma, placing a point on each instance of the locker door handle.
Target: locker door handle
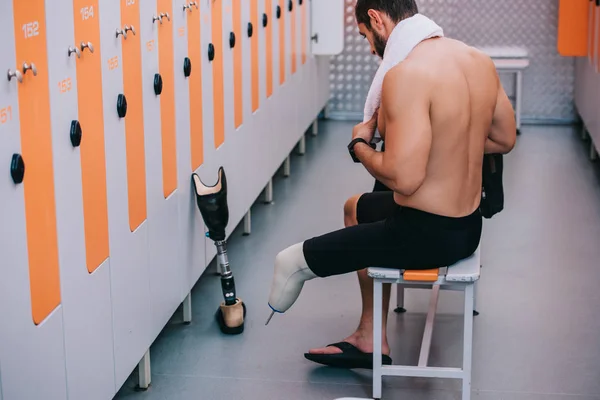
{"x": 265, "y": 20}
{"x": 17, "y": 168}
{"x": 290, "y": 6}
{"x": 231, "y": 40}
{"x": 16, "y": 74}
{"x": 75, "y": 133}
{"x": 122, "y": 106}
{"x": 187, "y": 67}
{"x": 250, "y": 29}
{"x": 158, "y": 84}
{"x": 300, "y": 2}
{"x": 278, "y": 12}
{"x": 211, "y": 52}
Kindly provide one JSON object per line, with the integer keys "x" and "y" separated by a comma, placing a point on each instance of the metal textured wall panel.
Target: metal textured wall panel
{"x": 533, "y": 24}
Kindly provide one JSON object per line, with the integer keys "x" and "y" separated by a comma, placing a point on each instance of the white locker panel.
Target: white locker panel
{"x": 250, "y": 186}
{"x": 190, "y": 44}
{"x": 228, "y": 77}
{"x": 594, "y": 83}
{"x": 289, "y": 134}
{"x": 207, "y": 171}
{"x": 86, "y": 295}
{"x": 31, "y": 341}
{"x": 0, "y": 382}
{"x": 327, "y": 27}
{"x": 166, "y": 272}
{"x": 130, "y": 287}
{"x": 245, "y": 43}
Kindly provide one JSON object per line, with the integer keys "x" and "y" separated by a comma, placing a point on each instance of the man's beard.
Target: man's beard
{"x": 379, "y": 43}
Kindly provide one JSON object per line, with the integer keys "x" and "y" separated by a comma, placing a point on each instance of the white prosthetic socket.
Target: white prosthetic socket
{"x": 291, "y": 271}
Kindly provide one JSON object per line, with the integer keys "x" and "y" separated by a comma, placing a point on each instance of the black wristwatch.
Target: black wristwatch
{"x": 353, "y": 143}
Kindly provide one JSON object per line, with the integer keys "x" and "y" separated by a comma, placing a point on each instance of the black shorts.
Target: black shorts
{"x": 391, "y": 236}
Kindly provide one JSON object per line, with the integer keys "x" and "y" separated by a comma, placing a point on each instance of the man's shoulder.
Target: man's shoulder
{"x": 408, "y": 71}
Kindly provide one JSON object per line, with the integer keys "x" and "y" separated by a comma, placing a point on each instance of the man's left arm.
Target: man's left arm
{"x": 405, "y": 102}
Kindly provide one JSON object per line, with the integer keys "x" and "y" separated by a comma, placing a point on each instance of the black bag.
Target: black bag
{"x": 492, "y": 194}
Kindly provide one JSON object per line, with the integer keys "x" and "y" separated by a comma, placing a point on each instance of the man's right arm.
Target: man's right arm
{"x": 503, "y": 132}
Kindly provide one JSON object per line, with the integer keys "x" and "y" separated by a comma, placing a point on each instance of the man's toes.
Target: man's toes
{"x": 325, "y": 350}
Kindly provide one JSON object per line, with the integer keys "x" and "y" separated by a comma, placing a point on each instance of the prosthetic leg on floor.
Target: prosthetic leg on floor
{"x": 212, "y": 202}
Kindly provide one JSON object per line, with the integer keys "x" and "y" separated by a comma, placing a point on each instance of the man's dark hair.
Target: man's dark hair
{"x": 397, "y": 10}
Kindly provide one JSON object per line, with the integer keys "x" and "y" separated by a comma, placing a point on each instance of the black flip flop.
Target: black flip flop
{"x": 350, "y": 358}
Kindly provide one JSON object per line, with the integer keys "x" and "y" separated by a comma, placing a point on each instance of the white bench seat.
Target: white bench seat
{"x": 461, "y": 276}
{"x": 514, "y": 60}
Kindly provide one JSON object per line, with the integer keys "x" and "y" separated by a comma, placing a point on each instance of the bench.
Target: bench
{"x": 512, "y": 60}
{"x": 461, "y": 276}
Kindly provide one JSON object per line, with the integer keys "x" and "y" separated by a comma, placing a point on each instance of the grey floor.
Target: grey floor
{"x": 538, "y": 335}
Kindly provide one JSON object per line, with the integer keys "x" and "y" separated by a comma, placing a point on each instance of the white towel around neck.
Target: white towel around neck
{"x": 403, "y": 39}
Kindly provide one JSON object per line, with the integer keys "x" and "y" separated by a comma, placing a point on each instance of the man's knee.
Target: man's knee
{"x": 350, "y": 210}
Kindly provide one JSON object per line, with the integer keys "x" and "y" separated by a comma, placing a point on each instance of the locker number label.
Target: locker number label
{"x": 5, "y": 115}
{"x": 31, "y": 29}
{"x": 129, "y": 2}
{"x": 150, "y": 45}
{"x": 65, "y": 85}
{"x": 113, "y": 63}
{"x": 87, "y": 12}
{"x": 181, "y": 31}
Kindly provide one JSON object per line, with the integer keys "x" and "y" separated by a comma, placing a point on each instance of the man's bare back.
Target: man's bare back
{"x": 436, "y": 113}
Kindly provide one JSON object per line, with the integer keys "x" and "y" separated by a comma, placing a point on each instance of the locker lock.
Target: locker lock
{"x": 278, "y": 12}
{"x": 75, "y": 133}
{"x": 290, "y": 5}
{"x": 187, "y": 67}
{"x": 17, "y": 168}
{"x": 211, "y": 52}
{"x": 265, "y": 20}
{"x": 122, "y": 106}
{"x": 232, "y": 40}
{"x": 158, "y": 84}
{"x": 250, "y": 29}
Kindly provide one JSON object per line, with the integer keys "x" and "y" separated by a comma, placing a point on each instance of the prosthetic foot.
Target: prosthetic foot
{"x": 291, "y": 271}
{"x": 212, "y": 203}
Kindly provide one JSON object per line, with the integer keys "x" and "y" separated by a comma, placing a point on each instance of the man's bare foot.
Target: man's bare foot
{"x": 361, "y": 339}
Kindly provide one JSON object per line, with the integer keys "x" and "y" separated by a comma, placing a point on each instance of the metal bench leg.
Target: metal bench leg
{"x": 475, "y": 312}
{"x": 377, "y": 333}
{"x": 468, "y": 342}
{"x": 519, "y": 100}
{"x": 400, "y": 300}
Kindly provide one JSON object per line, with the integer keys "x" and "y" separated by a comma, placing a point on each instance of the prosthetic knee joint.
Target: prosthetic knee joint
{"x": 212, "y": 202}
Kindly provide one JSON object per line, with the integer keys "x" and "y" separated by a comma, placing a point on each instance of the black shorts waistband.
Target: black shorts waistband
{"x": 425, "y": 218}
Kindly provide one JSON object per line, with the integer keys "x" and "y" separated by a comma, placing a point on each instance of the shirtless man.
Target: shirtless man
{"x": 441, "y": 109}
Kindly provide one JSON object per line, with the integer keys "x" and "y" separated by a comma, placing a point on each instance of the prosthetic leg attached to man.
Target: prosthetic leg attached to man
{"x": 212, "y": 202}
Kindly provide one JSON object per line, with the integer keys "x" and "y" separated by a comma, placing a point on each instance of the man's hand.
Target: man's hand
{"x": 366, "y": 130}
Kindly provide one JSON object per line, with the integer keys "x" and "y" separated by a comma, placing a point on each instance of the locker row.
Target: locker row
{"x": 107, "y": 107}
{"x": 587, "y": 78}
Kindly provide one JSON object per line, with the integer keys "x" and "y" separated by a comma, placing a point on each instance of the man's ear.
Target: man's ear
{"x": 376, "y": 20}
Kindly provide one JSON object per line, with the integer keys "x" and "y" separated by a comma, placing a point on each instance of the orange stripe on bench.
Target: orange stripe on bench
{"x": 426, "y": 275}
